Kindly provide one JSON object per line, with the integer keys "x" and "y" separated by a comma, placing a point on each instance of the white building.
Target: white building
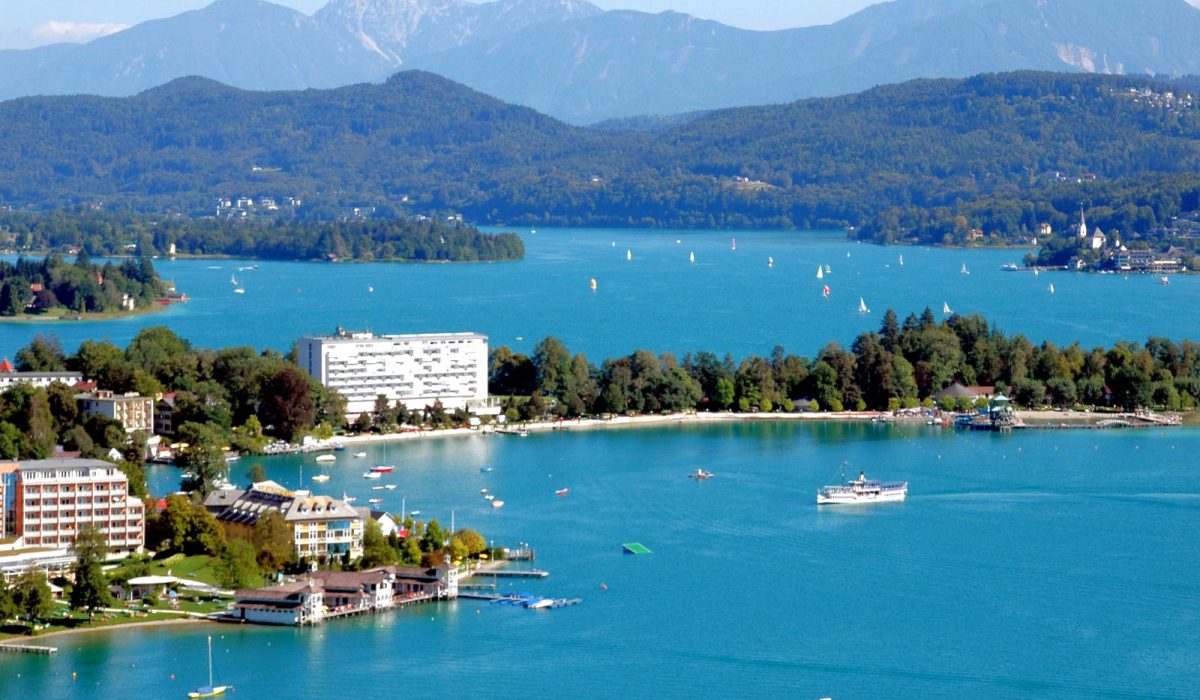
{"x": 9, "y": 376}
{"x": 56, "y": 497}
{"x": 323, "y": 527}
{"x": 416, "y": 370}
{"x": 136, "y": 412}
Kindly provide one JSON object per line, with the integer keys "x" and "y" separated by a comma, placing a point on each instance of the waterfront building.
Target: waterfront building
{"x": 54, "y": 498}
{"x": 416, "y": 370}
{"x": 326, "y": 594}
{"x": 387, "y": 524}
{"x": 322, "y": 527}
{"x": 136, "y": 412}
{"x": 9, "y": 376}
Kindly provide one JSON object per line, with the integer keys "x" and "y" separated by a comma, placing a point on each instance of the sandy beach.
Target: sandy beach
{"x": 37, "y": 639}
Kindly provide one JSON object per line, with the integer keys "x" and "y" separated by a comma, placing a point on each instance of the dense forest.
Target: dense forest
{"x": 100, "y": 232}
{"x": 926, "y": 160}
{"x": 903, "y": 364}
{"x": 38, "y": 287}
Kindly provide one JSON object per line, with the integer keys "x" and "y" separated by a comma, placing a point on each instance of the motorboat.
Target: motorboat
{"x": 371, "y": 475}
{"x": 383, "y": 468}
{"x": 701, "y": 474}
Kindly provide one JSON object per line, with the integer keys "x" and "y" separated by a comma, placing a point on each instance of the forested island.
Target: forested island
{"x": 53, "y": 287}
{"x": 110, "y": 233}
{"x": 977, "y": 161}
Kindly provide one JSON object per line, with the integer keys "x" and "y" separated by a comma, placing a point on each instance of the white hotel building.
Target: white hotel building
{"x": 416, "y": 370}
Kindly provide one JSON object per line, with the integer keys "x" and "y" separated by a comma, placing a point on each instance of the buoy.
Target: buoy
{"x": 603, "y": 587}
{"x": 172, "y": 676}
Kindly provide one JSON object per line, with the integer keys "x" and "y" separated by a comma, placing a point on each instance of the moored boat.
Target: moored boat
{"x": 371, "y": 475}
{"x": 863, "y": 490}
{"x": 562, "y": 492}
{"x": 383, "y": 468}
{"x": 700, "y": 474}
{"x": 326, "y": 458}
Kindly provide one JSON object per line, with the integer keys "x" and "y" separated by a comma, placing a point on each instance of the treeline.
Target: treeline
{"x": 38, "y": 286}
{"x": 903, "y": 364}
{"x": 1138, "y": 209}
{"x": 100, "y": 232}
{"x": 899, "y": 162}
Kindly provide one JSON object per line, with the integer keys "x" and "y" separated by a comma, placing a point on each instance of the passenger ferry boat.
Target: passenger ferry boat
{"x": 863, "y": 490}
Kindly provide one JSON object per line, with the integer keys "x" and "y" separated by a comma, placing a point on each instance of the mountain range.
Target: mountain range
{"x": 570, "y": 59}
{"x": 1016, "y": 149}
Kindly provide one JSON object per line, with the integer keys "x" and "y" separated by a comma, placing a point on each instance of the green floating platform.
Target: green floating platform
{"x": 636, "y": 548}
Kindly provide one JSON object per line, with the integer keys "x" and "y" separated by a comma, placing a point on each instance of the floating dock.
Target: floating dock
{"x": 514, "y": 573}
{"x": 635, "y": 548}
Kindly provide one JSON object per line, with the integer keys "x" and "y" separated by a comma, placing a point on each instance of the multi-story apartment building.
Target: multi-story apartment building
{"x": 54, "y": 498}
{"x": 416, "y": 370}
{"x": 136, "y": 412}
{"x": 323, "y": 527}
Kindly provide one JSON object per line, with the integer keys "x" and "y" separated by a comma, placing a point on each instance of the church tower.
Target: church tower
{"x": 1083, "y": 232}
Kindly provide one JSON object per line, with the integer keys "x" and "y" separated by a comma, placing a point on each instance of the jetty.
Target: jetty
{"x": 513, "y": 573}
{"x": 27, "y": 649}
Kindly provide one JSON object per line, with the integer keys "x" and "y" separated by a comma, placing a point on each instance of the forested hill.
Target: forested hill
{"x": 425, "y": 144}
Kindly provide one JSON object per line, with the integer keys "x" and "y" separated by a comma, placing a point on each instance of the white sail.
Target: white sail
{"x": 902, "y": 261}
{"x": 946, "y": 308}
{"x": 1051, "y": 287}
{"x": 628, "y": 254}
{"x": 964, "y": 270}
{"x": 692, "y": 257}
{"x": 770, "y": 261}
{"x": 862, "y": 306}
{"x": 820, "y": 272}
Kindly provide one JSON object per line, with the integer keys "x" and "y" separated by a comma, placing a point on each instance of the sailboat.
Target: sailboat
{"x": 592, "y": 283}
{"x": 770, "y": 261}
{"x": 210, "y": 690}
{"x": 946, "y": 308}
{"x": 827, "y": 270}
{"x": 901, "y": 261}
{"x": 862, "y": 306}
{"x": 628, "y": 254}
{"x": 820, "y": 273}
{"x": 733, "y": 244}
{"x": 964, "y": 270}
{"x": 323, "y": 476}
{"x": 348, "y": 499}
{"x": 692, "y": 257}
{"x": 1051, "y": 287}
{"x": 825, "y": 292}
{"x": 233, "y": 280}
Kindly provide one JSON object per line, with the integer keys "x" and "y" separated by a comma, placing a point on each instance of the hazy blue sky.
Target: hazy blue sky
{"x": 25, "y": 23}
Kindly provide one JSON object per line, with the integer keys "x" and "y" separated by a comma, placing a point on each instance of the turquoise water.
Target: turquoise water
{"x": 728, "y": 301}
{"x": 1048, "y": 564}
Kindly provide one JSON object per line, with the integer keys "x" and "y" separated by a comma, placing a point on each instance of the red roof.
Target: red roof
{"x": 7, "y": 366}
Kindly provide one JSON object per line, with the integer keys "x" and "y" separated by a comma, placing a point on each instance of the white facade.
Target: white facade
{"x": 136, "y": 412}
{"x": 40, "y": 380}
{"x": 57, "y": 497}
{"x": 416, "y": 370}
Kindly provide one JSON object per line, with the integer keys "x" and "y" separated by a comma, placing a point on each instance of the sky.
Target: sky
{"x": 29, "y": 23}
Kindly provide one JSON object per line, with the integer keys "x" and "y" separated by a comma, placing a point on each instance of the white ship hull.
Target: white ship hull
{"x": 824, "y": 499}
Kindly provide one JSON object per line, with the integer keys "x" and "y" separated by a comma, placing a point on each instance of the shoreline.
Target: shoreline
{"x": 1036, "y": 419}
{"x": 36, "y": 639}
{"x": 85, "y": 317}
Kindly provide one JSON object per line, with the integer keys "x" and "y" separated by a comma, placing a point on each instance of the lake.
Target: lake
{"x": 1052, "y": 564}
{"x": 727, "y": 301}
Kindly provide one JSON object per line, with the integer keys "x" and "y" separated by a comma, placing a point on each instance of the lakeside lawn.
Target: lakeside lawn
{"x": 197, "y": 567}
{"x": 65, "y": 621}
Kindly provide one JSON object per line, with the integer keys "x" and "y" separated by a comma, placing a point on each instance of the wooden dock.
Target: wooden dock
{"x": 514, "y": 573}
{"x": 27, "y": 649}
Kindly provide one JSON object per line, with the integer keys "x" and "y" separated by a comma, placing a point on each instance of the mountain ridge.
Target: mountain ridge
{"x": 572, "y": 60}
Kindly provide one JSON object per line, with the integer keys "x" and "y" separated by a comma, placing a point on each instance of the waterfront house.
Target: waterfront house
{"x": 324, "y": 594}
{"x": 297, "y": 604}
